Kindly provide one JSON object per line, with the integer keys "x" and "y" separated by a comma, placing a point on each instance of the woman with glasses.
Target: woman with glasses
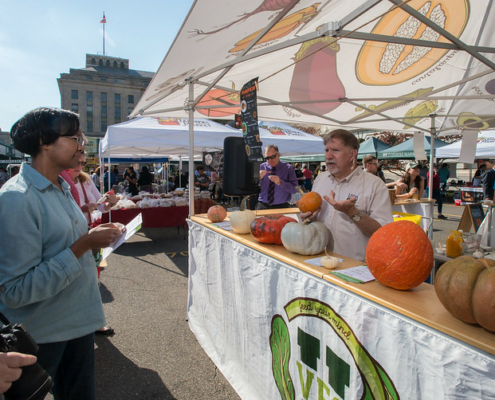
{"x": 48, "y": 277}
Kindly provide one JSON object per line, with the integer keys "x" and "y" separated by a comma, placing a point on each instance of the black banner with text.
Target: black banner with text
{"x": 249, "y": 126}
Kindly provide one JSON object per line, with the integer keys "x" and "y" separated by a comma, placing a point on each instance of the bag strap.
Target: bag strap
{"x": 87, "y": 201}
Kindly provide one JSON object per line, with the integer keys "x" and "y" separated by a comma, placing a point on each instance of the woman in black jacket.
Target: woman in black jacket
{"x": 145, "y": 180}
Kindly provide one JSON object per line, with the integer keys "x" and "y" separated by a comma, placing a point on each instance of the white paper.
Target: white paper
{"x": 419, "y": 146}
{"x": 468, "y": 146}
{"x": 130, "y": 229}
{"x": 224, "y": 225}
{"x": 361, "y": 272}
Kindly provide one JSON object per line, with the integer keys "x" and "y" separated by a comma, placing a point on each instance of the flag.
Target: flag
{"x": 104, "y": 20}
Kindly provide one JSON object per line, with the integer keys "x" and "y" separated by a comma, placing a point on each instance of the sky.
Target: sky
{"x": 39, "y": 40}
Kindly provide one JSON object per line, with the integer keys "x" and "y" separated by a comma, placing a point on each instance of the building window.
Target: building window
{"x": 89, "y": 77}
{"x": 122, "y": 65}
{"x": 118, "y": 115}
{"x": 104, "y": 113}
{"x": 103, "y": 79}
{"x": 100, "y": 62}
{"x": 93, "y": 61}
{"x": 89, "y": 112}
{"x": 115, "y": 64}
{"x": 129, "y": 110}
{"x": 74, "y": 107}
{"x": 107, "y": 63}
{"x": 130, "y": 99}
{"x": 74, "y": 94}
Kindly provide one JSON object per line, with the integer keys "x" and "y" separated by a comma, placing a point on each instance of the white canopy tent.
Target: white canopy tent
{"x": 484, "y": 147}
{"x": 153, "y": 137}
{"x": 378, "y": 64}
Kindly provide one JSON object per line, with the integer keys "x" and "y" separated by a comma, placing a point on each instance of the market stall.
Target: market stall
{"x": 157, "y": 217}
{"x": 266, "y": 317}
{"x": 253, "y": 306}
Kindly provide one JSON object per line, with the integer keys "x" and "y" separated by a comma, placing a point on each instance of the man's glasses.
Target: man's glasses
{"x": 271, "y": 157}
{"x": 81, "y": 140}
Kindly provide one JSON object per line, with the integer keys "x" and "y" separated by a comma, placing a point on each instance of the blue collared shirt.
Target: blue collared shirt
{"x": 287, "y": 188}
{"x": 42, "y": 284}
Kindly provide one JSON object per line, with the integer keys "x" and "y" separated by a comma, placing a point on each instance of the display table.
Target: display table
{"x": 274, "y": 324}
{"x": 156, "y": 217}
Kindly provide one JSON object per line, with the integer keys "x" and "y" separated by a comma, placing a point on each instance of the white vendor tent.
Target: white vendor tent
{"x": 148, "y": 137}
{"x": 485, "y": 147}
{"x": 425, "y": 66}
{"x": 290, "y": 141}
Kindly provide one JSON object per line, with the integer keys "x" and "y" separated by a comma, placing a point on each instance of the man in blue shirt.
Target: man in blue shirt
{"x": 277, "y": 181}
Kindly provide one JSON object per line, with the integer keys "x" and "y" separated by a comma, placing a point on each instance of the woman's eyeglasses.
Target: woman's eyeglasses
{"x": 82, "y": 163}
{"x": 271, "y": 157}
{"x": 81, "y": 141}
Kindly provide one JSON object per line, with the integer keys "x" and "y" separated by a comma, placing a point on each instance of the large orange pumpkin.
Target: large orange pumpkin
{"x": 400, "y": 255}
{"x": 310, "y": 202}
{"x": 268, "y": 229}
{"x": 466, "y": 288}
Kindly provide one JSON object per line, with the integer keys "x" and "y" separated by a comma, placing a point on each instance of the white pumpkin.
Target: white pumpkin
{"x": 306, "y": 238}
{"x": 240, "y": 221}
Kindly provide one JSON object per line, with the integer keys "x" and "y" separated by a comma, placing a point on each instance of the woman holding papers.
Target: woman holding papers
{"x": 48, "y": 278}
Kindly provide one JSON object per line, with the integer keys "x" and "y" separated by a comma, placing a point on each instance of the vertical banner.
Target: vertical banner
{"x": 249, "y": 116}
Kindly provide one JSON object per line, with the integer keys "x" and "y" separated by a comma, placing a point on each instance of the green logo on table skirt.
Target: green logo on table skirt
{"x": 377, "y": 384}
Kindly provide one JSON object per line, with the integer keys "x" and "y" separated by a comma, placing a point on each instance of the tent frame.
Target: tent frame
{"x": 331, "y": 29}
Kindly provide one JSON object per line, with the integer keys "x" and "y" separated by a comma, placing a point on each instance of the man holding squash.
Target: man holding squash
{"x": 356, "y": 203}
{"x": 277, "y": 181}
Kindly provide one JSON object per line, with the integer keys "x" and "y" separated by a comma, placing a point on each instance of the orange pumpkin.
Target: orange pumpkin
{"x": 310, "y": 202}
{"x": 268, "y": 229}
{"x": 466, "y": 287}
{"x": 216, "y": 213}
{"x": 400, "y": 255}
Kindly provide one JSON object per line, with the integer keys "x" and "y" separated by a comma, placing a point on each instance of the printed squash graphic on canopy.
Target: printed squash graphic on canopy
{"x": 392, "y": 63}
{"x": 315, "y": 77}
{"x": 281, "y": 29}
{"x": 219, "y": 97}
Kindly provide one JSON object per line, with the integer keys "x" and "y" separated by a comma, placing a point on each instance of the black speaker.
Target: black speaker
{"x": 240, "y": 177}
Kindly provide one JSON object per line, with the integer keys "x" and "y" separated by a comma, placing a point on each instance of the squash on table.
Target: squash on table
{"x": 306, "y": 238}
{"x": 466, "y": 288}
{"x": 268, "y": 229}
{"x": 240, "y": 221}
{"x": 216, "y": 213}
{"x": 400, "y": 255}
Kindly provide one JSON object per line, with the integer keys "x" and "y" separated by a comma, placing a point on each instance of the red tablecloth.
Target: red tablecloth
{"x": 156, "y": 217}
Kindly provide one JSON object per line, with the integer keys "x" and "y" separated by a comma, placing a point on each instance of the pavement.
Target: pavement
{"x": 153, "y": 354}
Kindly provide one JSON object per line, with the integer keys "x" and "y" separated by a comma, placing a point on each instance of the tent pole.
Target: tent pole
{"x": 191, "y": 147}
{"x": 433, "y": 132}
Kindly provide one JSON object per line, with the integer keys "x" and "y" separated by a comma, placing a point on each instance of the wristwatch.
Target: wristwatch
{"x": 357, "y": 217}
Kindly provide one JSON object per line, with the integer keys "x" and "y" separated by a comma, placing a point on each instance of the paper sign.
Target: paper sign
{"x": 359, "y": 274}
{"x": 224, "y": 225}
{"x": 130, "y": 229}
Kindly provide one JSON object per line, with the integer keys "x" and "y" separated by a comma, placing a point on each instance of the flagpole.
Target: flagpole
{"x": 104, "y": 22}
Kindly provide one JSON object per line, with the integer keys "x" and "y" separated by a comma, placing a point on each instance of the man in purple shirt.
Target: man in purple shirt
{"x": 277, "y": 181}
